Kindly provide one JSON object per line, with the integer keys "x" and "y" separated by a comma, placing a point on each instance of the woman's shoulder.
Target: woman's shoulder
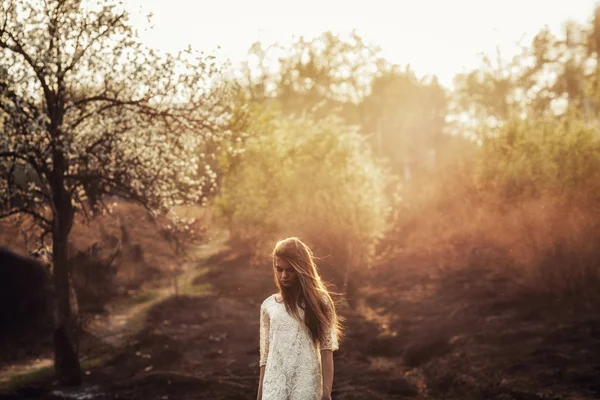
{"x": 268, "y": 301}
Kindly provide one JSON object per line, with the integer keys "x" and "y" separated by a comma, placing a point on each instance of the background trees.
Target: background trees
{"x": 315, "y": 179}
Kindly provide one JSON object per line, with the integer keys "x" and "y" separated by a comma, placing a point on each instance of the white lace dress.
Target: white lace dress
{"x": 293, "y": 362}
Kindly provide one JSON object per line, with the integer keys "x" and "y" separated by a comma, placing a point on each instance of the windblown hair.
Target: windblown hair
{"x": 310, "y": 294}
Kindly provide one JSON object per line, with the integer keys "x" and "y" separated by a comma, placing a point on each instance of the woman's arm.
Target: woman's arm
{"x": 328, "y": 344}
{"x": 265, "y": 327}
{"x": 260, "y": 383}
{"x": 327, "y": 371}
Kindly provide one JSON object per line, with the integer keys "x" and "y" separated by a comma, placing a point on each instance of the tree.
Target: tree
{"x": 345, "y": 76}
{"x": 328, "y": 72}
{"x": 85, "y": 107}
{"x": 488, "y": 92}
{"x": 551, "y": 75}
{"x": 405, "y": 115}
{"x": 310, "y": 177}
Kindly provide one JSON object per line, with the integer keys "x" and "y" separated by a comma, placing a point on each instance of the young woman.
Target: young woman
{"x": 299, "y": 329}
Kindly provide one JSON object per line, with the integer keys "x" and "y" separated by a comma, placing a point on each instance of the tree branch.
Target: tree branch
{"x": 26, "y": 211}
{"x": 126, "y": 192}
{"x": 18, "y": 48}
{"x": 78, "y": 57}
{"x": 17, "y": 100}
{"x": 112, "y": 104}
{"x": 104, "y": 98}
{"x": 29, "y": 160}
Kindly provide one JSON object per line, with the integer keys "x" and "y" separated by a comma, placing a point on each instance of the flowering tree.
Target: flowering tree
{"x": 86, "y": 111}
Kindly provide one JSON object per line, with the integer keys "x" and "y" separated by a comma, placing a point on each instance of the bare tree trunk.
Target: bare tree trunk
{"x": 66, "y": 361}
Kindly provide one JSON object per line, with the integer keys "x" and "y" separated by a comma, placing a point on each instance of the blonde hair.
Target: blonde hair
{"x": 312, "y": 295}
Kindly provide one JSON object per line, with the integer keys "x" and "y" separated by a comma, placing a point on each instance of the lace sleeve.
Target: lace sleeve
{"x": 329, "y": 341}
{"x": 264, "y": 335}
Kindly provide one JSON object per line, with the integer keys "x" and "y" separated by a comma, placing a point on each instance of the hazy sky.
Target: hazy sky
{"x": 440, "y": 37}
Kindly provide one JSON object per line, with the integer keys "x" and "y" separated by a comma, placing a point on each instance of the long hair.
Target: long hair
{"x": 310, "y": 293}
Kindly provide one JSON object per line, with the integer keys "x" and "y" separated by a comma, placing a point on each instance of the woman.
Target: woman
{"x": 299, "y": 329}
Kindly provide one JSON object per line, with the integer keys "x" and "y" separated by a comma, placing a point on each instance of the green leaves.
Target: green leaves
{"x": 542, "y": 156}
{"x": 315, "y": 179}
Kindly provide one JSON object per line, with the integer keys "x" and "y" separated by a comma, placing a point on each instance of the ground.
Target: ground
{"x": 466, "y": 336}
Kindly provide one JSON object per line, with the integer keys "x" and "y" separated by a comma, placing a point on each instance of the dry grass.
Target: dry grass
{"x": 148, "y": 260}
{"x": 18, "y": 240}
{"x": 150, "y": 254}
{"x": 546, "y": 244}
{"x": 129, "y": 223}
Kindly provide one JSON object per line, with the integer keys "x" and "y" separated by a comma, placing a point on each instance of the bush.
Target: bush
{"x": 93, "y": 279}
{"x": 25, "y": 298}
{"x": 542, "y": 157}
{"x": 313, "y": 179}
{"x": 527, "y": 202}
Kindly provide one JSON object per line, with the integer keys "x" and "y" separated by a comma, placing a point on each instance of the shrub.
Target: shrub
{"x": 542, "y": 156}
{"x": 526, "y": 202}
{"x": 313, "y": 179}
{"x": 25, "y": 298}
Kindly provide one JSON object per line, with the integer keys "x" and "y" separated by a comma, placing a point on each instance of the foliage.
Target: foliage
{"x": 525, "y": 203}
{"x": 532, "y": 158}
{"x": 552, "y": 75}
{"x": 523, "y": 199}
{"x": 329, "y": 69}
{"x": 24, "y": 311}
{"x": 312, "y": 179}
{"x": 344, "y": 75}
{"x": 405, "y": 115}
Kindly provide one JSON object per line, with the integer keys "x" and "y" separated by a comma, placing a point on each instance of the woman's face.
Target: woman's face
{"x": 286, "y": 275}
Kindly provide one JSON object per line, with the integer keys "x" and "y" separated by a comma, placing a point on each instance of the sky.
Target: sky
{"x": 436, "y": 37}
